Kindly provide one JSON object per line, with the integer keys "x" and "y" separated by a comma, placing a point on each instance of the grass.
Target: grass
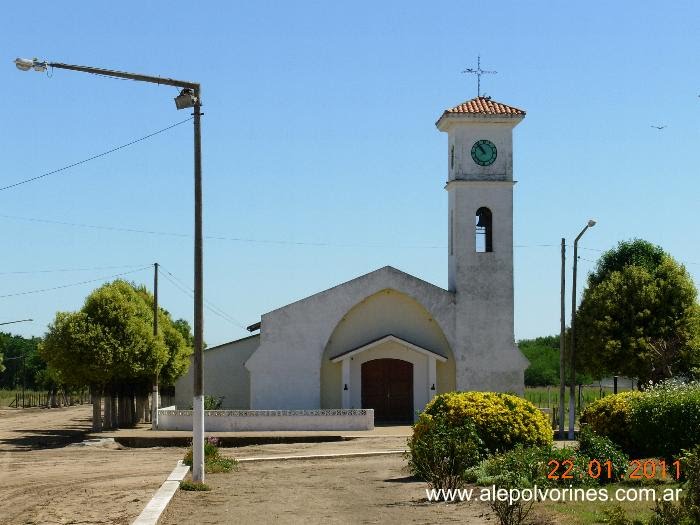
{"x": 214, "y": 462}
{"x": 548, "y": 397}
{"x": 590, "y": 513}
{"x": 197, "y": 486}
{"x": 220, "y": 464}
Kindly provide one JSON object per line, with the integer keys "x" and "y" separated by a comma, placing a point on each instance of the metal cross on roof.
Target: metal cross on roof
{"x": 478, "y": 72}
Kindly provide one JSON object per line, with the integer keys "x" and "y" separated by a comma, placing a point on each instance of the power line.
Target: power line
{"x": 183, "y": 287}
{"x": 247, "y": 239}
{"x": 72, "y": 284}
{"x": 64, "y": 168}
{"x": 59, "y": 270}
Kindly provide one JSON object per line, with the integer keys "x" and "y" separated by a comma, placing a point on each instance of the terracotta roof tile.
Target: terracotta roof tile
{"x": 485, "y": 106}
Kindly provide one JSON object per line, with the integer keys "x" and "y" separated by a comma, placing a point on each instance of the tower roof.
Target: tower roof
{"x": 482, "y": 106}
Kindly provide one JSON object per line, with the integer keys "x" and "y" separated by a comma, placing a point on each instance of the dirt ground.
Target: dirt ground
{"x": 339, "y": 491}
{"x": 46, "y": 479}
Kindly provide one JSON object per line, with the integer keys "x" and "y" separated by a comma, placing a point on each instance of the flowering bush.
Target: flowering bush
{"x": 502, "y": 421}
{"x": 610, "y": 416}
{"x": 666, "y": 419}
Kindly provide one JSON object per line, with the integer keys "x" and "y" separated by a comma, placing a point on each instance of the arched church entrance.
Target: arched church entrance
{"x": 387, "y": 387}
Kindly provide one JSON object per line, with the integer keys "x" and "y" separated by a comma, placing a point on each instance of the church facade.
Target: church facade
{"x": 388, "y": 340}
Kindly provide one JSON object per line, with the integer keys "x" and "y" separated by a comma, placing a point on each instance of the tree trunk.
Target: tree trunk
{"x": 96, "y": 413}
{"x": 107, "y": 419}
{"x": 138, "y": 418}
{"x": 115, "y": 410}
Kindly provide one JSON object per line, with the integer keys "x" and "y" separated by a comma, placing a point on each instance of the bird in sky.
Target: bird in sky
{"x": 658, "y": 127}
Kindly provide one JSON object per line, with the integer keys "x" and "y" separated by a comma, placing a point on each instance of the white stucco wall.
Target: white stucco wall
{"x": 224, "y": 375}
{"x": 286, "y": 367}
{"x": 265, "y": 421}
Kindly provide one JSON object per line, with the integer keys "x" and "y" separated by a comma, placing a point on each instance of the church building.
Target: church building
{"x": 388, "y": 340}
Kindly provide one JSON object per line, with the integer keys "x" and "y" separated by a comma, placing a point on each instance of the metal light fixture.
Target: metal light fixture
{"x": 186, "y": 99}
{"x": 25, "y": 64}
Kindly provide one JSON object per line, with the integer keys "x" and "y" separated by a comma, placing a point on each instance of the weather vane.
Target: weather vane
{"x": 478, "y": 72}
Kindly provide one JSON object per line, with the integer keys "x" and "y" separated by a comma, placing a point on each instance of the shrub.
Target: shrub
{"x": 525, "y": 467}
{"x": 610, "y": 416}
{"x": 213, "y": 461}
{"x": 502, "y": 421}
{"x": 194, "y": 485}
{"x": 690, "y": 465}
{"x": 666, "y": 419}
{"x": 442, "y": 451}
{"x": 603, "y": 449}
{"x": 213, "y": 402}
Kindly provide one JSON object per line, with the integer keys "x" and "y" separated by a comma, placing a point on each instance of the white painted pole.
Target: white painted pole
{"x": 154, "y": 407}
{"x": 198, "y": 439}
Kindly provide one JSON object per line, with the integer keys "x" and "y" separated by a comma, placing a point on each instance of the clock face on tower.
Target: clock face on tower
{"x": 484, "y": 152}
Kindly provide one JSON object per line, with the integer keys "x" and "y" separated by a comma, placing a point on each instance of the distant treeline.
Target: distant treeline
{"x": 20, "y": 362}
{"x": 543, "y": 354}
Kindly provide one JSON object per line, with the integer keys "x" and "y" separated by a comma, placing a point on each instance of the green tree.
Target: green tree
{"x": 639, "y": 316}
{"x": 21, "y": 360}
{"x": 109, "y": 344}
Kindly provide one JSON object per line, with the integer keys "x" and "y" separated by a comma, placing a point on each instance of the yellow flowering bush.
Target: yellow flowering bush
{"x": 502, "y": 421}
{"x": 610, "y": 416}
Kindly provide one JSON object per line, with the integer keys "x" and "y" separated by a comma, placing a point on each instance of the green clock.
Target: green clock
{"x": 484, "y": 152}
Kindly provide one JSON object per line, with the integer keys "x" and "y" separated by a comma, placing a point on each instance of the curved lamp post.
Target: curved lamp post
{"x": 572, "y": 391}
{"x": 189, "y": 97}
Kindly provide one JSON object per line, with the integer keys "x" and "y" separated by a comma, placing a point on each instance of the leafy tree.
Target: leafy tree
{"x": 636, "y": 252}
{"x": 639, "y": 316}
{"x": 109, "y": 344}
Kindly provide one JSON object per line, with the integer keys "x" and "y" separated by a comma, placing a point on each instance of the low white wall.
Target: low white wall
{"x": 268, "y": 420}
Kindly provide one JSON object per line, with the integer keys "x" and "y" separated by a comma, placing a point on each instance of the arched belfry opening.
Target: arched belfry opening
{"x": 484, "y": 230}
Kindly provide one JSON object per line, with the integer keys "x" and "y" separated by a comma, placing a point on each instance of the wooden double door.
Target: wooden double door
{"x": 387, "y": 387}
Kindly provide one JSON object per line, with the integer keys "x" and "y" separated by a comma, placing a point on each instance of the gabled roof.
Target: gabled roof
{"x": 386, "y": 274}
{"x": 387, "y": 338}
{"x": 482, "y": 107}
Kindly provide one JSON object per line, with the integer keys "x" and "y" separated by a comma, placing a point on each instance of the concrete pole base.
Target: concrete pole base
{"x": 198, "y": 439}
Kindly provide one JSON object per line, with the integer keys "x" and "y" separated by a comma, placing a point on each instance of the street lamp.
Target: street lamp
{"x": 189, "y": 97}
{"x": 572, "y": 391}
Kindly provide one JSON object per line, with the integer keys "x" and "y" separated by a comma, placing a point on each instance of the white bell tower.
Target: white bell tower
{"x": 480, "y": 221}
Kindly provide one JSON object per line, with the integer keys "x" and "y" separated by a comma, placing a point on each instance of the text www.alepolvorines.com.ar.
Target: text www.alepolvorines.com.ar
{"x": 570, "y": 494}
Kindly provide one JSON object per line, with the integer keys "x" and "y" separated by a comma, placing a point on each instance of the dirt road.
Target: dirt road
{"x": 339, "y": 491}
{"x": 46, "y": 479}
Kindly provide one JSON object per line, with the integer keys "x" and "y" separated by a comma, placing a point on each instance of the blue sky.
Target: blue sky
{"x": 319, "y": 130}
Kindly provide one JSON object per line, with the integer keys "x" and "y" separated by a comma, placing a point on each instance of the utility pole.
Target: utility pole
{"x": 154, "y": 397}
{"x": 562, "y": 345}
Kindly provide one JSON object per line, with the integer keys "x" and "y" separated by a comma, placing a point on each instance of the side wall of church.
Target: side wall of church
{"x": 225, "y": 375}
